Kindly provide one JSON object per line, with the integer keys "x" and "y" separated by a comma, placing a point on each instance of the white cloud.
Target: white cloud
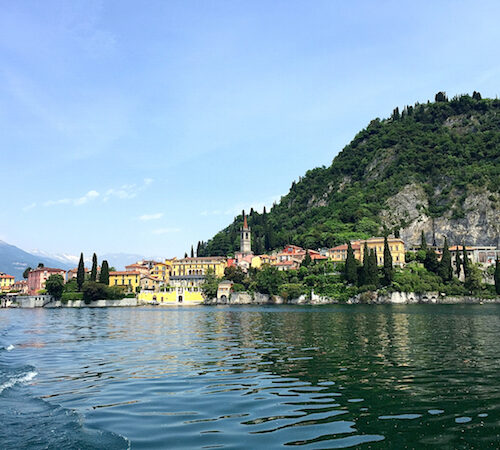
{"x": 28, "y": 207}
{"x": 166, "y": 230}
{"x": 151, "y": 216}
{"x": 127, "y": 191}
{"x": 90, "y": 195}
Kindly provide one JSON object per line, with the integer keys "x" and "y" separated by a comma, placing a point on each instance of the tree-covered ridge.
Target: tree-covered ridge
{"x": 450, "y": 148}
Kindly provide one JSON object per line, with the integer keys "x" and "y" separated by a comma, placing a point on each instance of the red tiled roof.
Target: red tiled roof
{"x": 124, "y": 272}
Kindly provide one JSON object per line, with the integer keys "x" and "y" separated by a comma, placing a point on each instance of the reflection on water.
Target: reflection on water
{"x": 229, "y": 377}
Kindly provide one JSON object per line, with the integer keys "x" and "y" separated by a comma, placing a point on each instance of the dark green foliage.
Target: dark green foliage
{"x": 445, "y": 270}
{"x": 93, "y": 271}
{"x": 363, "y": 274}
{"x": 55, "y": 285}
{"x": 94, "y": 291}
{"x": 104, "y": 275}
{"x": 372, "y": 272}
{"x": 40, "y": 265}
{"x": 423, "y": 242}
{"x": 465, "y": 263}
{"x": 476, "y": 96}
{"x": 450, "y": 148}
{"x": 458, "y": 262}
{"x": 26, "y": 272}
{"x": 210, "y": 285}
{"x": 192, "y": 252}
{"x": 473, "y": 279}
{"x": 307, "y": 260}
{"x": 431, "y": 261}
{"x": 496, "y": 276}
{"x": 351, "y": 266}
{"x": 80, "y": 274}
{"x": 388, "y": 269}
{"x": 66, "y": 296}
{"x": 268, "y": 280}
{"x": 441, "y": 97}
{"x": 234, "y": 274}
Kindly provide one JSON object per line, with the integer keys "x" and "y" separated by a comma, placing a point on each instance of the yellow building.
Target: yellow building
{"x": 174, "y": 296}
{"x": 396, "y": 247}
{"x": 130, "y": 280}
{"x": 6, "y": 282}
{"x": 161, "y": 271}
{"x": 256, "y": 262}
{"x": 197, "y": 266}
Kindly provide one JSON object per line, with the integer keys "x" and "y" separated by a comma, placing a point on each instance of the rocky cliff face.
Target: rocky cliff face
{"x": 479, "y": 223}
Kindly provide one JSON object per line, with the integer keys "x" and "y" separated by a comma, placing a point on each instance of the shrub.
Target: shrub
{"x": 291, "y": 291}
{"x": 66, "y": 296}
{"x": 93, "y": 291}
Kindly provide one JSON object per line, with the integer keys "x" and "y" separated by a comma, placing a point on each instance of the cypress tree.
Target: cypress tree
{"x": 372, "y": 269}
{"x": 185, "y": 255}
{"x": 497, "y": 276}
{"x": 445, "y": 271}
{"x": 307, "y": 260}
{"x": 104, "y": 275}
{"x": 198, "y": 249}
{"x": 365, "y": 277}
{"x": 388, "y": 269}
{"x": 465, "y": 263}
{"x": 423, "y": 242}
{"x": 350, "y": 270}
{"x": 192, "y": 252}
{"x": 80, "y": 273}
{"x": 93, "y": 272}
{"x": 458, "y": 262}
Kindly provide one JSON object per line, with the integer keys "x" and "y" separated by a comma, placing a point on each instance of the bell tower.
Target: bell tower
{"x": 245, "y": 237}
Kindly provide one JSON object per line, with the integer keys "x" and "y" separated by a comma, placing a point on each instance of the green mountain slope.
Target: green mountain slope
{"x": 433, "y": 167}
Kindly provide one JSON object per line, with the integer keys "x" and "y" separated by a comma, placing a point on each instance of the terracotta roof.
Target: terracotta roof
{"x": 4, "y": 275}
{"x": 124, "y": 272}
{"x": 47, "y": 269}
{"x": 245, "y": 224}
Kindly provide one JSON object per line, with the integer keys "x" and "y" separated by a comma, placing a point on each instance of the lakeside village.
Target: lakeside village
{"x": 360, "y": 267}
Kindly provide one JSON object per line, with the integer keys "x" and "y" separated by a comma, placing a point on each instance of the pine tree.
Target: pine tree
{"x": 104, "y": 275}
{"x": 445, "y": 271}
{"x": 497, "y": 276}
{"x": 388, "y": 269}
{"x": 192, "y": 252}
{"x": 458, "y": 263}
{"x": 476, "y": 95}
{"x": 350, "y": 269}
{"x": 93, "y": 272}
{"x": 80, "y": 273}
{"x": 423, "y": 242}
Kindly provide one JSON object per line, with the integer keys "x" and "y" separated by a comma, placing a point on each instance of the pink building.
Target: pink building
{"x": 37, "y": 278}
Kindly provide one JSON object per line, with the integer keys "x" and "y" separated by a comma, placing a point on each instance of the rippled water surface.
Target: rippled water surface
{"x": 251, "y": 377}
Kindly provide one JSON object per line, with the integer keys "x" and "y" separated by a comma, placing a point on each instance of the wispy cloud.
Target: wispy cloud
{"x": 155, "y": 216}
{"x": 166, "y": 230}
{"x": 28, "y": 207}
{"x": 127, "y": 191}
{"x": 89, "y": 196}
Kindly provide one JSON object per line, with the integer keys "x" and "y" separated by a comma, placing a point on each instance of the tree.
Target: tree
{"x": 445, "y": 270}
{"x": 269, "y": 279}
{"x": 476, "y": 95}
{"x": 93, "y": 291}
{"x": 104, "y": 275}
{"x": 350, "y": 268}
{"x": 458, "y": 263}
{"x": 41, "y": 265}
{"x": 423, "y": 242}
{"x": 93, "y": 272}
{"x": 80, "y": 273}
{"x": 26, "y": 272}
{"x": 185, "y": 255}
{"x": 388, "y": 269}
{"x": 192, "y": 252}
{"x": 198, "y": 248}
{"x": 431, "y": 261}
{"x": 465, "y": 263}
{"x": 473, "y": 279}
{"x": 497, "y": 276}
{"x": 364, "y": 272}
{"x": 210, "y": 285}
{"x": 55, "y": 286}
{"x": 441, "y": 97}
{"x": 234, "y": 274}
{"x": 306, "y": 262}
{"x": 372, "y": 269}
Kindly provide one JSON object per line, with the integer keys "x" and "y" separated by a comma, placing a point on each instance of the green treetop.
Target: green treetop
{"x": 80, "y": 274}
{"x": 445, "y": 270}
{"x": 458, "y": 263}
{"x": 423, "y": 242}
{"x": 388, "y": 269}
{"x": 350, "y": 269}
{"x": 497, "y": 276}
{"x": 55, "y": 285}
{"x": 104, "y": 275}
{"x": 93, "y": 272}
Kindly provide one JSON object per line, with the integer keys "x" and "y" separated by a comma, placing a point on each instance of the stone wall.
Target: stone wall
{"x": 46, "y": 301}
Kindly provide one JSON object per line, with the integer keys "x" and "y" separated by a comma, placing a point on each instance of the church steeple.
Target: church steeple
{"x": 245, "y": 237}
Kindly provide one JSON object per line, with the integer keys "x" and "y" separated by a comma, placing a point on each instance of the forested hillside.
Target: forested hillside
{"x": 433, "y": 167}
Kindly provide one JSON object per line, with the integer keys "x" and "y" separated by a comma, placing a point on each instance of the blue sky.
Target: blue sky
{"x": 143, "y": 127}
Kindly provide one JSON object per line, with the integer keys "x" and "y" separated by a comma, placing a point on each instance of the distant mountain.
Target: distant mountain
{"x": 14, "y": 261}
{"x": 432, "y": 167}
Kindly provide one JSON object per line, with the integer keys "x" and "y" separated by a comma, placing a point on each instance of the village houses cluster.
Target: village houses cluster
{"x": 179, "y": 281}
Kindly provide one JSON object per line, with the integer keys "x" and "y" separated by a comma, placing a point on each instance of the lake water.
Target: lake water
{"x": 251, "y": 377}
